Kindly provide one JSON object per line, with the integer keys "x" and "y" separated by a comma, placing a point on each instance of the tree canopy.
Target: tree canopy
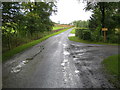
{"x": 25, "y": 19}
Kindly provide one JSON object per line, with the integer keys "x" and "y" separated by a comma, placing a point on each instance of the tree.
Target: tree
{"x": 105, "y": 14}
{"x": 82, "y": 24}
{"x": 25, "y": 20}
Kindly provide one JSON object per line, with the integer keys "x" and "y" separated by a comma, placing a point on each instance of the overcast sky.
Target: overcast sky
{"x": 70, "y": 10}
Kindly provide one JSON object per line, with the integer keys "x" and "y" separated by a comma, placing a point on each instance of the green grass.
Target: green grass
{"x": 73, "y": 31}
{"x": 55, "y": 28}
{"x": 111, "y": 67}
{"x": 76, "y": 39}
{"x": 21, "y": 48}
{"x": 111, "y": 64}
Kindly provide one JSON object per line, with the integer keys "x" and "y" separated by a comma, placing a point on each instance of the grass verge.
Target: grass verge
{"x": 21, "y": 48}
{"x": 111, "y": 68}
{"x": 73, "y": 31}
{"x": 76, "y": 39}
{"x": 111, "y": 64}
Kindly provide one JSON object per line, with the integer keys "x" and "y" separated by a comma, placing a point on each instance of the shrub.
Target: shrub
{"x": 77, "y": 32}
{"x": 95, "y": 36}
{"x": 83, "y": 34}
{"x": 112, "y": 38}
{"x": 86, "y": 35}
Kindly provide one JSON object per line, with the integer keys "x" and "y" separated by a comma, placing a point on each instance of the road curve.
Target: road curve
{"x": 58, "y": 63}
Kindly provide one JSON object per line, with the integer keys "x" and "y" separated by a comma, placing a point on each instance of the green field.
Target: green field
{"x": 55, "y": 28}
{"x": 21, "y": 48}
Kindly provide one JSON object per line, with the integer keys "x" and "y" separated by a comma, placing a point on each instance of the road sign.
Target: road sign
{"x": 104, "y": 29}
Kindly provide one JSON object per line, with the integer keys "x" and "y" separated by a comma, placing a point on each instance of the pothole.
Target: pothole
{"x": 18, "y": 68}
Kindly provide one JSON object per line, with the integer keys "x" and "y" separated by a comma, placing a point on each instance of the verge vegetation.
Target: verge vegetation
{"x": 77, "y": 39}
{"x": 73, "y": 31}
{"x": 112, "y": 68}
{"x": 21, "y": 48}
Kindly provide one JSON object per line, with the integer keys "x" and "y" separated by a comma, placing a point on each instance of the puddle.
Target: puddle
{"x": 59, "y": 42}
{"x": 80, "y": 54}
{"x": 26, "y": 61}
{"x": 71, "y": 35}
{"x": 65, "y": 60}
{"x": 65, "y": 80}
{"x": 66, "y": 53}
{"x": 64, "y": 45}
{"x": 64, "y": 68}
{"x": 78, "y": 62}
{"x": 76, "y": 71}
{"x": 63, "y": 64}
{"x": 75, "y": 59}
{"x": 80, "y": 51}
{"x": 75, "y": 45}
{"x": 65, "y": 74}
{"x": 18, "y": 68}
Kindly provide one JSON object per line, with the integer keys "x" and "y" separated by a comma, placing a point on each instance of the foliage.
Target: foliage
{"x": 77, "y": 39}
{"x": 86, "y": 35}
{"x": 21, "y": 48}
{"x": 113, "y": 38}
{"x": 105, "y": 14}
{"x": 95, "y": 35}
{"x": 28, "y": 20}
{"x": 80, "y": 23}
{"x": 83, "y": 34}
{"x": 73, "y": 31}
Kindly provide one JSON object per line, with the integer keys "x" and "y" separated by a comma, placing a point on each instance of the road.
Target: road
{"x": 58, "y": 63}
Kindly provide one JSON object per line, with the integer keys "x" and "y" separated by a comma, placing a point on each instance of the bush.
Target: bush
{"x": 95, "y": 36}
{"x": 83, "y": 34}
{"x": 86, "y": 35}
{"x": 112, "y": 38}
{"x": 77, "y": 32}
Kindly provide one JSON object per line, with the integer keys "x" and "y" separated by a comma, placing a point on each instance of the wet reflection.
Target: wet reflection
{"x": 66, "y": 53}
{"x": 18, "y": 68}
{"x": 65, "y": 60}
{"x": 63, "y": 64}
{"x": 71, "y": 35}
{"x": 76, "y": 71}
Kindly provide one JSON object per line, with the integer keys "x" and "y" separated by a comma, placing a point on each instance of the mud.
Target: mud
{"x": 87, "y": 60}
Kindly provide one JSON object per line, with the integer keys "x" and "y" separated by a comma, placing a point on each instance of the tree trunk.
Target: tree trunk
{"x": 102, "y": 9}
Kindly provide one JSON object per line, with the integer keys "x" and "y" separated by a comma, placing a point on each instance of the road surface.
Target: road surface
{"x": 58, "y": 63}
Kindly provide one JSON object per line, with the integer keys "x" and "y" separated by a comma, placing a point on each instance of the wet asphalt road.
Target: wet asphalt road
{"x": 58, "y": 63}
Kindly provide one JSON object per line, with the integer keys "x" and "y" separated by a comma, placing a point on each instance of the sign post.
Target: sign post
{"x": 104, "y": 29}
